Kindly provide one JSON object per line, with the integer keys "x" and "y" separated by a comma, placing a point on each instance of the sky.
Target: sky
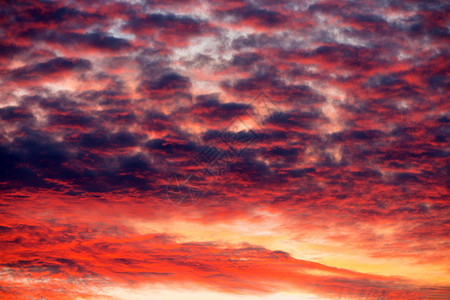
{"x": 195, "y": 149}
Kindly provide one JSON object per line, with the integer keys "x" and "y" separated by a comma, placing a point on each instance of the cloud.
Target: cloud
{"x": 330, "y": 120}
{"x": 124, "y": 258}
{"x": 51, "y": 69}
{"x": 252, "y": 16}
{"x": 169, "y": 28}
{"x": 97, "y": 41}
{"x": 166, "y": 86}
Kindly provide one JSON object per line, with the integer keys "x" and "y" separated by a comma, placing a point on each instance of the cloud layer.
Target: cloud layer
{"x": 311, "y": 138}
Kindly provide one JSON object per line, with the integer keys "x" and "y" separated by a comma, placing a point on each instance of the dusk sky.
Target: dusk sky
{"x": 194, "y": 149}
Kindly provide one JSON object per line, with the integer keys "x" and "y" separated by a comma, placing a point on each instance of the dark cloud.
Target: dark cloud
{"x": 72, "y": 119}
{"x": 97, "y": 40}
{"x": 166, "y": 86}
{"x": 104, "y": 140}
{"x": 49, "y": 15}
{"x": 252, "y": 15}
{"x": 119, "y": 116}
{"x": 157, "y": 121}
{"x": 169, "y": 28}
{"x": 211, "y": 109}
{"x": 54, "y": 67}
{"x": 245, "y": 60}
{"x": 7, "y": 51}
{"x": 15, "y": 114}
{"x": 169, "y": 21}
{"x": 331, "y": 119}
{"x": 176, "y": 148}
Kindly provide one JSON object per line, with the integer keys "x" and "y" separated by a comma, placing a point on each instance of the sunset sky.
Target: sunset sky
{"x": 194, "y": 149}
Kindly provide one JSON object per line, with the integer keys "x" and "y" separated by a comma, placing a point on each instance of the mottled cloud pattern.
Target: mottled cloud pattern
{"x": 245, "y": 148}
